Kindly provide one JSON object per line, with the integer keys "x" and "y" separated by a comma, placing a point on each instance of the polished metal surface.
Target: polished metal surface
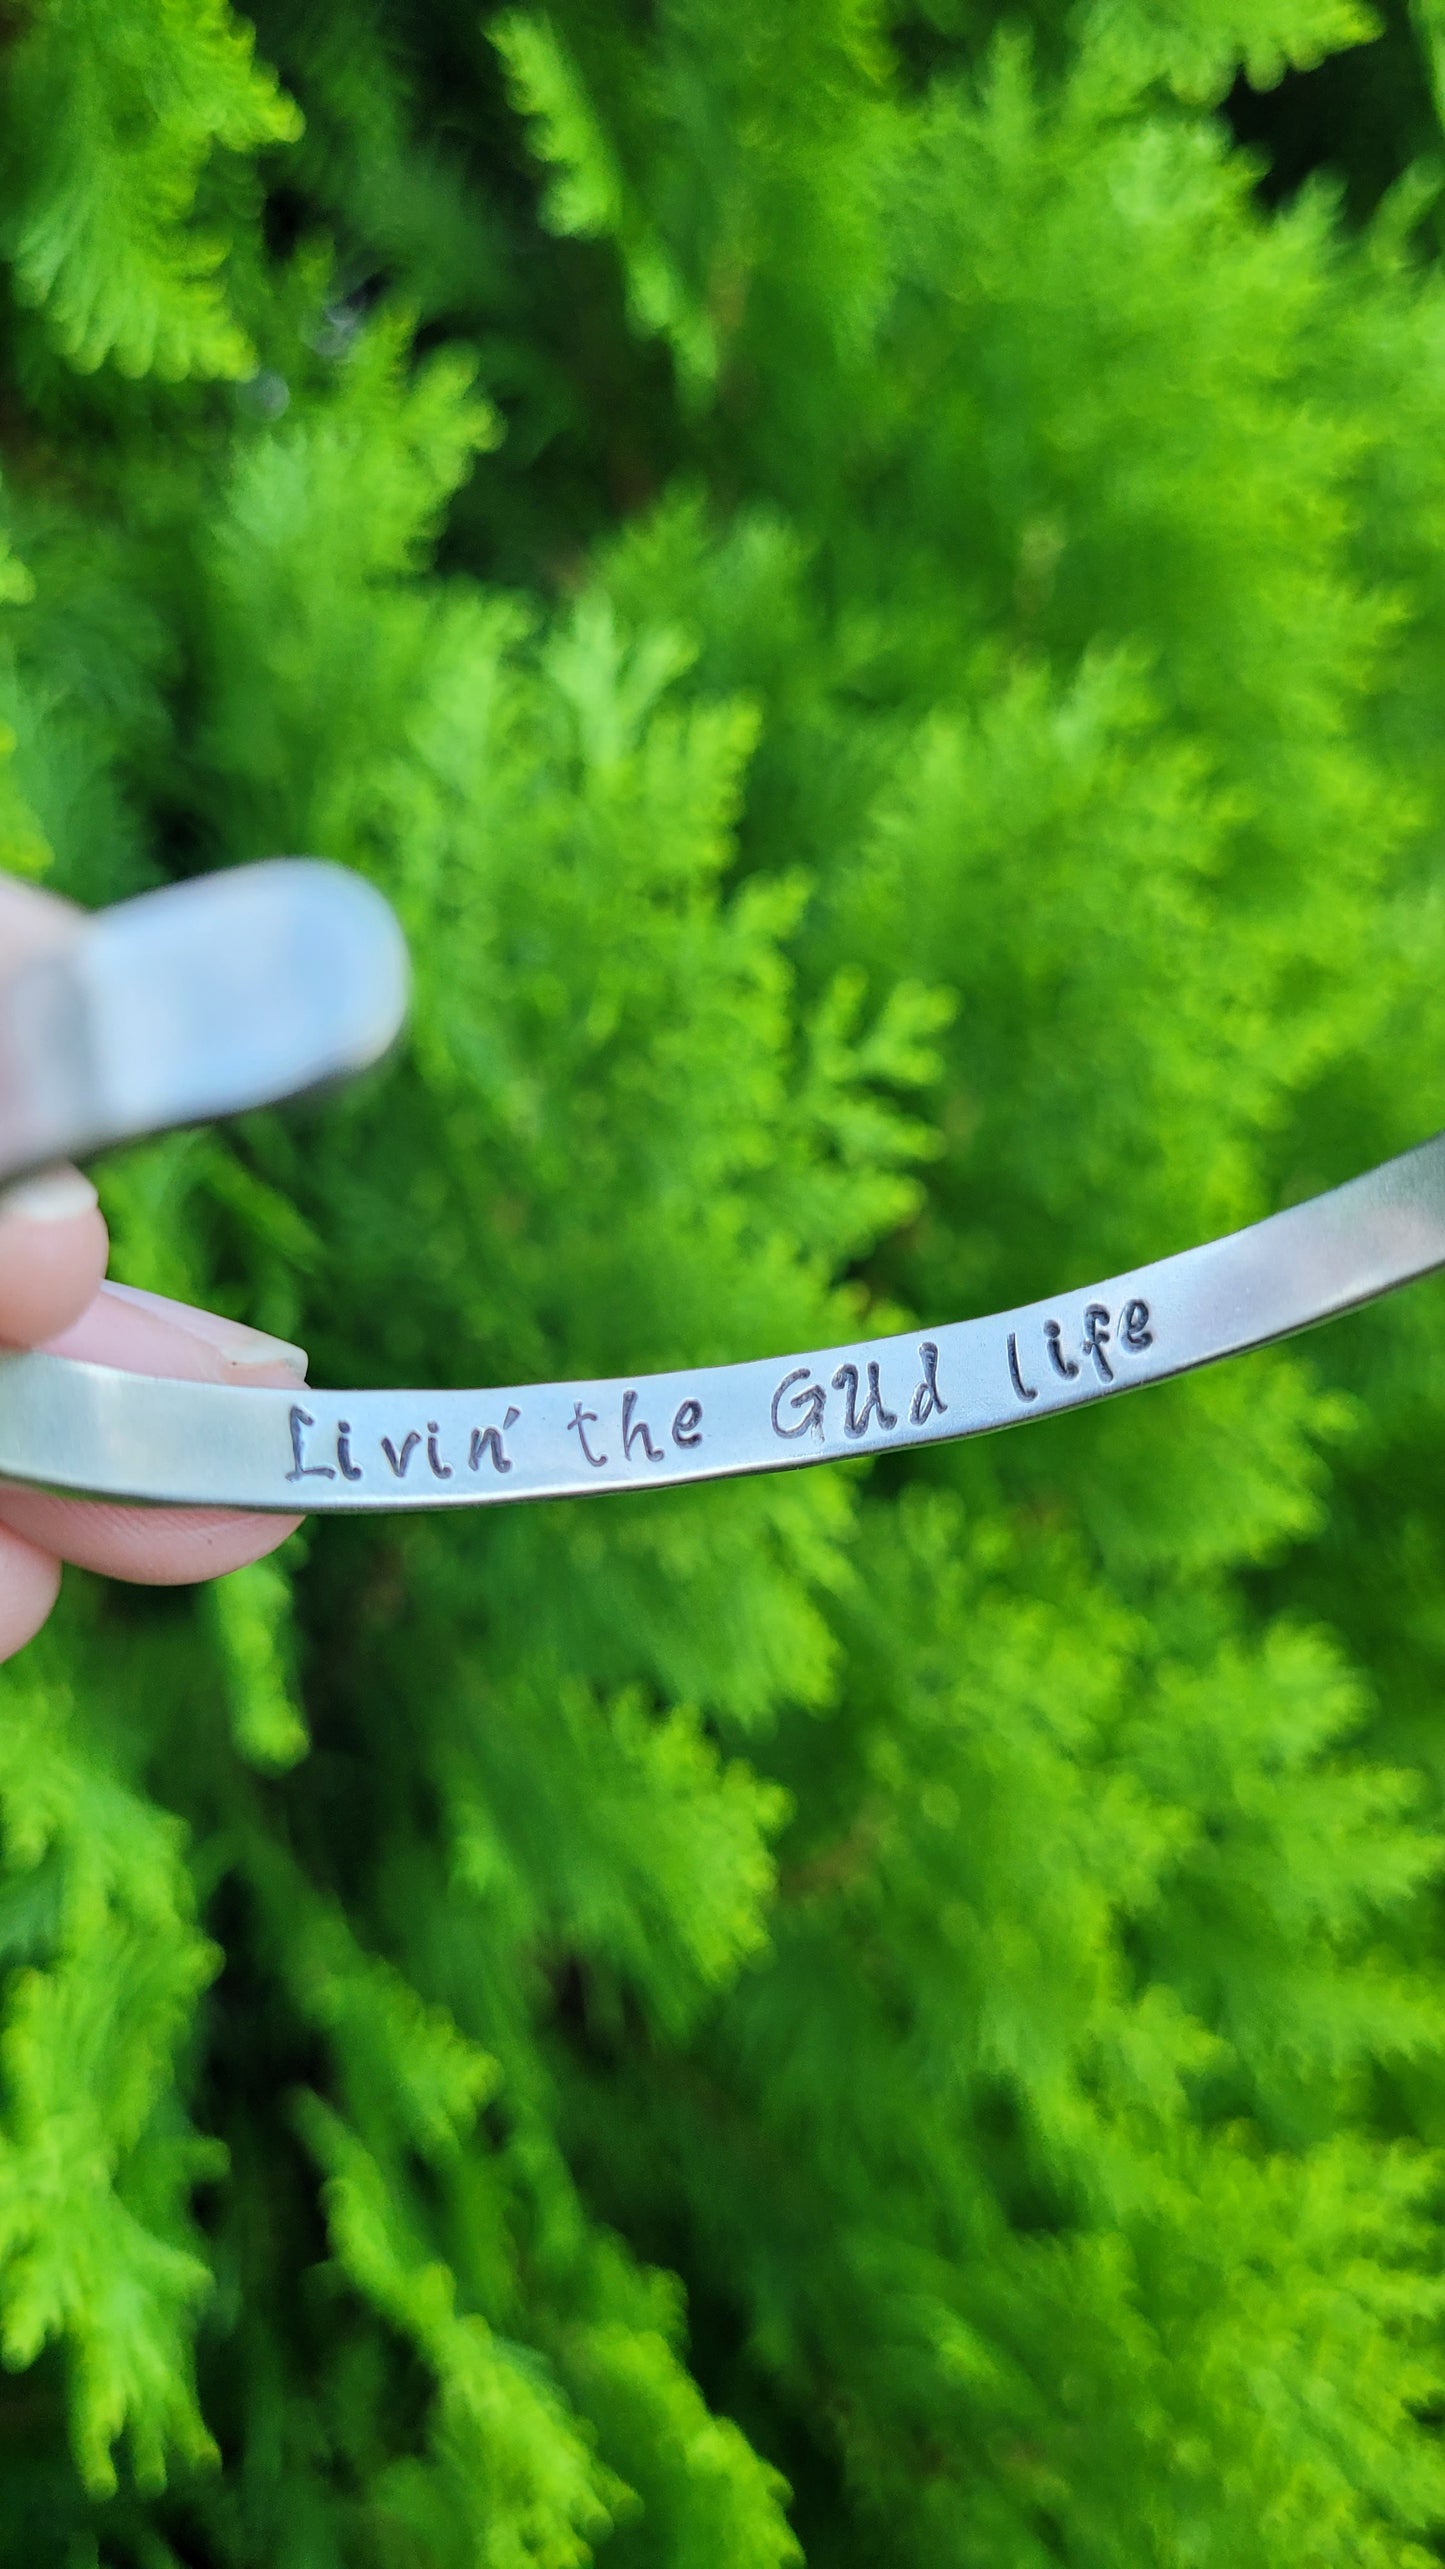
{"x": 83, "y": 1428}
{"x": 246, "y": 987}
{"x": 203, "y": 999}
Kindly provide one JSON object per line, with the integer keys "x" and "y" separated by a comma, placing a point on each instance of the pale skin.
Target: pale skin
{"x": 54, "y": 1294}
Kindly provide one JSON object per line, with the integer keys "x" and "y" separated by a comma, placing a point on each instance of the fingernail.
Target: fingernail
{"x": 57, "y": 1195}
{"x": 247, "y": 1350}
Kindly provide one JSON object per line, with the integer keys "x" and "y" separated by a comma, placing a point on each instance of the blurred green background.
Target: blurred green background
{"x": 869, "y": 576}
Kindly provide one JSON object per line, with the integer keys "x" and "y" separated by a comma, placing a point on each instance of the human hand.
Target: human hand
{"x": 53, "y": 1252}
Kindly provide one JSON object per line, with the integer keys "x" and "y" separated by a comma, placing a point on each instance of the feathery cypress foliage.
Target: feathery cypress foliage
{"x": 876, "y": 599}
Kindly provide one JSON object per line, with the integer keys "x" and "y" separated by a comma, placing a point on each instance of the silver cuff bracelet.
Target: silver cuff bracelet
{"x": 87, "y": 1428}
{"x": 247, "y": 987}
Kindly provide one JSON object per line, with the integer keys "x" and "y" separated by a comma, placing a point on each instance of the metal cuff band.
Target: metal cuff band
{"x": 90, "y": 1430}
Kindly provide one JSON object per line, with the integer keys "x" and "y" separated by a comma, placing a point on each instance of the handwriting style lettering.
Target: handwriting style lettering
{"x": 687, "y": 1426}
{"x": 578, "y": 1424}
{"x": 631, "y": 1434}
{"x": 855, "y": 1420}
{"x": 488, "y": 1441}
{"x": 1134, "y": 1330}
{"x": 928, "y": 1397}
{"x": 811, "y": 1402}
{"x": 1096, "y": 1339}
{"x": 1063, "y": 1365}
{"x": 440, "y": 1471}
{"x": 301, "y": 1470}
{"x": 349, "y": 1471}
{"x": 400, "y": 1461}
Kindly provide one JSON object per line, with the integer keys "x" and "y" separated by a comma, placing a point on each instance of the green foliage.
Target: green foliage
{"x": 1198, "y": 50}
{"x": 111, "y": 116}
{"x": 881, "y": 617}
{"x": 98, "y": 2161}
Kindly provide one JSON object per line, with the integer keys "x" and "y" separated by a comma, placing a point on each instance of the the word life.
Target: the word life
{"x": 1132, "y": 1333}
